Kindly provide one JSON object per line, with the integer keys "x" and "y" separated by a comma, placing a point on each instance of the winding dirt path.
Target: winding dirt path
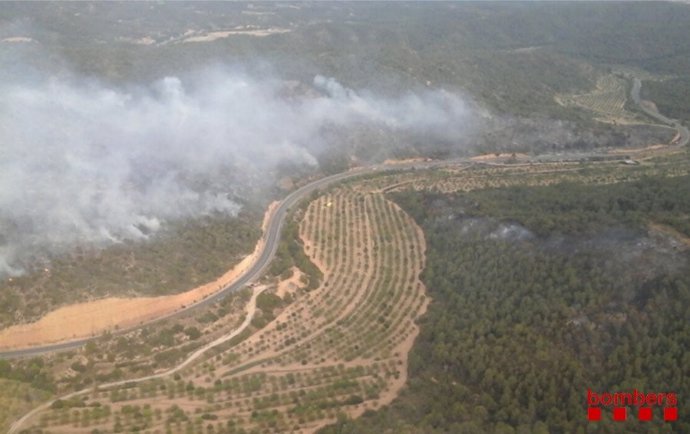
{"x": 251, "y": 310}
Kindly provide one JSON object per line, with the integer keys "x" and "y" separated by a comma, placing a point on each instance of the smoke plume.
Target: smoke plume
{"x": 84, "y": 163}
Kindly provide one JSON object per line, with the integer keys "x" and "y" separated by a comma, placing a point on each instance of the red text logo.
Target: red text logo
{"x": 617, "y": 405}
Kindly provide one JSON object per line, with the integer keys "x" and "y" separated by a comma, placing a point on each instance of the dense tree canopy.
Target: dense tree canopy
{"x": 538, "y": 295}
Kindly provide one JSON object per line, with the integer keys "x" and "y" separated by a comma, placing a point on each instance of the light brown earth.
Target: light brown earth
{"x": 17, "y": 39}
{"x": 96, "y": 317}
{"x": 405, "y": 160}
{"x": 500, "y": 157}
{"x": 146, "y": 40}
{"x": 346, "y": 340}
{"x": 245, "y": 31}
{"x": 671, "y": 232}
{"x": 291, "y": 284}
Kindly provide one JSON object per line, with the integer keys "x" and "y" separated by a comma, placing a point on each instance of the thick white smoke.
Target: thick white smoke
{"x": 84, "y": 163}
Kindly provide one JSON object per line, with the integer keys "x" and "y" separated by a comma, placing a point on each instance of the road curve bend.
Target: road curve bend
{"x": 683, "y": 132}
{"x": 271, "y": 238}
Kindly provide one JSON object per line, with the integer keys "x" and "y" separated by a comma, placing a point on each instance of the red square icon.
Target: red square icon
{"x": 619, "y": 414}
{"x": 644, "y": 413}
{"x": 594, "y": 413}
{"x": 670, "y": 414}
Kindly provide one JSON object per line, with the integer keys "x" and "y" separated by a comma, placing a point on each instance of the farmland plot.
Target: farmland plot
{"x": 337, "y": 350}
{"x": 607, "y": 101}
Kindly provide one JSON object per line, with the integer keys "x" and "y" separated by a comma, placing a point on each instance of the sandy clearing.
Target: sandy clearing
{"x": 17, "y": 39}
{"x": 671, "y": 232}
{"x": 503, "y": 155}
{"x": 145, "y": 40}
{"x": 649, "y": 105}
{"x": 406, "y": 160}
{"x": 290, "y": 284}
{"x": 212, "y": 36}
{"x": 92, "y": 318}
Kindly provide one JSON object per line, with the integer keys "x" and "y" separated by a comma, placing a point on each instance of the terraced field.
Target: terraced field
{"x": 607, "y": 100}
{"x": 339, "y": 349}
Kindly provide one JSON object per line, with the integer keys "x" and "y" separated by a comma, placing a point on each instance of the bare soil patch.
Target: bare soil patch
{"x": 244, "y": 31}
{"x": 96, "y": 317}
{"x": 671, "y": 232}
{"x": 291, "y": 284}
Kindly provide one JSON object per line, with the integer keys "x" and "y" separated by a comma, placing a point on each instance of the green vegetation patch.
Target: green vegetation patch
{"x": 291, "y": 253}
{"x": 184, "y": 256}
{"x": 17, "y": 398}
{"x": 670, "y": 96}
{"x": 538, "y": 295}
{"x": 579, "y": 209}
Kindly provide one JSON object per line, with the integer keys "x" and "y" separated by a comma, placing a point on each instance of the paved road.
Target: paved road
{"x": 271, "y": 238}
{"x": 276, "y": 221}
{"x": 251, "y": 310}
{"x": 682, "y": 130}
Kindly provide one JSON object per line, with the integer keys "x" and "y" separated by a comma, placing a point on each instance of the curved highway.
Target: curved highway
{"x": 683, "y": 133}
{"x": 271, "y": 239}
{"x": 272, "y": 234}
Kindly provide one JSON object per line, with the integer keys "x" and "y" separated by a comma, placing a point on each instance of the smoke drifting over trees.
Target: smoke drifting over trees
{"x": 81, "y": 162}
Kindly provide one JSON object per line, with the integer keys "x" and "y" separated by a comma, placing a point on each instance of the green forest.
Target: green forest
{"x": 539, "y": 294}
{"x": 671, "y": 96}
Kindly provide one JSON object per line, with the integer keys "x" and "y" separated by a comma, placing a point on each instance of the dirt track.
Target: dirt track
{"x": 251, "y": 310}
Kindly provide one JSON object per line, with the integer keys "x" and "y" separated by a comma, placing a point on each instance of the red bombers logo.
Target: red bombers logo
{"x": 643, "y": 403}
